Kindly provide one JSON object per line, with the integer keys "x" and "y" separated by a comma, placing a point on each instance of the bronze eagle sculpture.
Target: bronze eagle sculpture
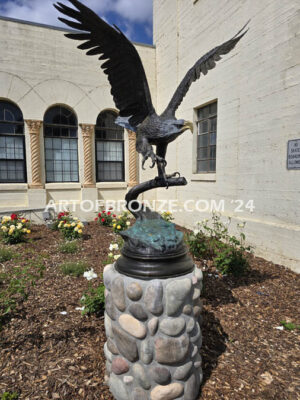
{"x": 129, "y": 86}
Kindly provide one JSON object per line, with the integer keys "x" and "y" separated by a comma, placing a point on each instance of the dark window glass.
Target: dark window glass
{"x": 207, "y": 138}
{"x": 12, "y": 144}
{"x": 61, "y": 145}
{"x": 109, "y": 148}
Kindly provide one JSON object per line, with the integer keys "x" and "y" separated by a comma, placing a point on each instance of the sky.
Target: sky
{"x": 133, "y": 17}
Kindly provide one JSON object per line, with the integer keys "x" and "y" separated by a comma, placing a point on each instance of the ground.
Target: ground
{"x": 47, "y": 355}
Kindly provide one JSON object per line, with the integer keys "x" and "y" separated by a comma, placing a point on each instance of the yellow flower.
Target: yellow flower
{"x": 119, "y": 216}
{"x": 19, "y": 226}
{"x": 28, "y": 231}
{"x": 10, "y": 232}
{"x": 128, "y": 223}
{"x": 114, "y": 225}
{"x": 80, "y": 231}
{"x": 114, "y": 220}
{"x": 119, "y": 227}
{"x": 24, "y": 230}
{"x": 23, "y": 220}
{"x": 76, "y": 229}
{"x": 4, "y": 228}
{"x": 73, "y": 224}
{"x": 12, "y": 227}
{"x": 168, "y": 213}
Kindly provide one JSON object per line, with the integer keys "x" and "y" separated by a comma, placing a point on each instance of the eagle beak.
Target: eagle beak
{"x": 188, "y": 125}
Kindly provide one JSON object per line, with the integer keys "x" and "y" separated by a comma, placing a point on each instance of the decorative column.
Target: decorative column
{"x": 133, "y": 178}
{"x": 34, "y": 127}
{"x": 153, "y": 336}
{"x": 87, "y": 134}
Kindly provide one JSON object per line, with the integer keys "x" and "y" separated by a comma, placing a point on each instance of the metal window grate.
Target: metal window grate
{"x": 109, "y": 139}
{"x": 12, "y": 144}
{"x": 207, "y": 138}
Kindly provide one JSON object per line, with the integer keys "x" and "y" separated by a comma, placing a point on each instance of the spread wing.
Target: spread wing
{"x": 129, "y": 86}
{"x": 203, "y": 65}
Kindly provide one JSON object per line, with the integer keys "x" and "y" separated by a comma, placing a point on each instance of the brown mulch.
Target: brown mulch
{"x": 47, "y": 355}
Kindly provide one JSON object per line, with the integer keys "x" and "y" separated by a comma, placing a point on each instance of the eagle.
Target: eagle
{"x": 129, "y": 86}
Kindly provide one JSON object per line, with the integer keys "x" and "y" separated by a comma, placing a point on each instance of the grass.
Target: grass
{"x": 69, "y": 247}
{"x": 74, "y": 268}
{"x": 5, "y": 254}
{"x": 289, "y": 326}
{"x": 9, "y": 396}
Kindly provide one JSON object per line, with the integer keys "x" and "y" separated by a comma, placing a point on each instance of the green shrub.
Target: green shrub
{"x": 69, "y": 247}
{"x": 74, "y": 268}
{"x": 9, "y": 396}
{"x": 290, "y": 326}
{"x": 93, "y": 301}
{"x": 212, "y": 241}
{"x": 121, "y": 222}
{"x": 5, "y": 254}
{"x": 105, "y": 218}
{"x": 15, "y": 285}
{"x": 14, "y": 228}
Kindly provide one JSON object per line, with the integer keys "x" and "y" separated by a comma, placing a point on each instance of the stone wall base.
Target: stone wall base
{"x": 153, "y": 336}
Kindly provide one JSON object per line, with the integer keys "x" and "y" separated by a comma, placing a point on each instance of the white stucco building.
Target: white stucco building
{"x": 245, "y": 112}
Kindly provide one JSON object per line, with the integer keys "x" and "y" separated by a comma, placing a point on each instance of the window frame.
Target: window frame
{"x": 209, "y": 132}
{"x": 51, "y": 125}
{"x": 22, "y": 135}
{"x": 98, "y": 128}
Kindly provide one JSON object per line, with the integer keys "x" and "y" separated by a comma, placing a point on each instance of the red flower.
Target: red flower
{"x": 65, "y": 221}
{"x": 61, "y": 214}
{"x": 103, "y": 219}
{"x": 108, "y": 213}
{"x": 99, "y": 215}
{"x": 96, "y": 219}
{"x": 14, "y": 216}
{"x": 114, "y": 215}
{"x": 103, "y": 212}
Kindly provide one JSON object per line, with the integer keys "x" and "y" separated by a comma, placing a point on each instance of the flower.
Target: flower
{"x": 13, "y": 227}
{"x": 110, "y": 255}
{"x": 4, "y": 228}
{"x": 28, "y": 231}
{"x": 103, "y": 212}
{"x": 24, "y": 220}
{"x": 113, "y": 246}
{"x": 114, "y": 215}
{"x": 10, "y": 232}
{"x": 76, "y": 229}
{"x": 89, "y": 275}
{"x": 117, "y": 256}
{"x": 119, "y": 227}
{"x": 128, "y": 223}
{"x": 80, "y": 231}
{"x": 73, "y": 224}
{"x": 108, "y": 213}
{"x": 13, "y": 217}
{"x": 114, "y": 225}
{"x": 99, "y": 215}
{"x": 103, "y": 219}
{"x": 96, "y": 219}
{"x": 196, "y": 231}
{"x": 19, "y": 226}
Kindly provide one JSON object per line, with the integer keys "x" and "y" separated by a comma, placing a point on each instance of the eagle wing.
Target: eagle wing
{"x": 129, "y": 86}
{"x": 203, "y": 65}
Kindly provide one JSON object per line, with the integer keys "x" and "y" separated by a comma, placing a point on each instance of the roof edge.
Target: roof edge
{"x": 56, "y": 28}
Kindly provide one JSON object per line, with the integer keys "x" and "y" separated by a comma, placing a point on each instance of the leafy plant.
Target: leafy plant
{"x": 14, "y": 228}
{"x": 105, "y": 218}
{"x": 70, "y": 227}
{"x": 121, "y": 223}
{"x": 93, "y": 300}
{"x": 167, "y": 216}
{"x": 62, "y": 216}
{"x": 290, "y": 326}
{"x": 9, "y": 396}
{"x": 15, "y": 285}
{"x": 74, "y": 268}
{"x": 212, "y": 241}
{"x": 69, "y": 247}
{"x": 5, "y": 254}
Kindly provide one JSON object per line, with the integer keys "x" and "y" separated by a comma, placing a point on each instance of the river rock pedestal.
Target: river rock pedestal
{"x": 153, "y": 336}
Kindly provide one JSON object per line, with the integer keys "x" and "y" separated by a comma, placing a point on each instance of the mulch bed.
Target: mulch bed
{"x": 47, "y": 355}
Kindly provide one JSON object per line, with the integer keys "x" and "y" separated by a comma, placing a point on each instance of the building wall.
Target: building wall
{"x": 257, "y": 87}
{"x": 39, "y": 68}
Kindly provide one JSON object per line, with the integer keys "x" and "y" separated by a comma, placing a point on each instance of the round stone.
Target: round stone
{"x": 118, "y": 388}
{"x": 160, "y": 375}
{"x": 134, "y": 291}
{"x": 108, "y": 275}
{"x": 172, "y": 326}
{"x": 132, "y": 326}
{"x": 139, "y": 394}
{"x": 176, "y": 294}
{"x": 170, "y": 351}
{"x": 187, "y": 309}
{"x": 196, "y": 333}
{"x": 126, "y": 344}
{"x": 108, "y": 367}
{"x": 146, "y": 352}
{"x": 197, "y": 311}
{"x": 190, "y": 326}
{"x": 183, "y": 371}
{"x": 119, "y": 366}
{"x": 112, "y": 347}
{"x": 140, "y": 375}
{"x": 107, "y": 353}
{"x": 109, "y": 307}
{"x": 153, "y": 298}
{"x": 198, "y": 274}
{"x": 196, "y": 294}
{"x": 152, "y": 326}
{"x": 118, "y": 294}
{"x": 168, "y": 392}
{"x": 138, "y": 311}
{"x": 195, "y": 351}
{"x": 192, "y": 387}
{"x": 128, "y": 379}
{"x": 108, "y": 326}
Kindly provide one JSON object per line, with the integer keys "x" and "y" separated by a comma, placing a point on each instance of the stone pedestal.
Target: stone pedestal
{"x": 153, "y": 336}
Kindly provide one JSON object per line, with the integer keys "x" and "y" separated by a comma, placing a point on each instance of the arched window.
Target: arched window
{"x": 61, "y": 145}
{"x": 109, "y": 148}
{"x": 12, "y": 144}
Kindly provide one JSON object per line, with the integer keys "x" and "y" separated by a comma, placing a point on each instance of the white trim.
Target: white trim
{"x": 63, "y": 185}
{"x": 208, "y": 177}
{"x": 13, "y": 187}
{"x": 111, "y": 185}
